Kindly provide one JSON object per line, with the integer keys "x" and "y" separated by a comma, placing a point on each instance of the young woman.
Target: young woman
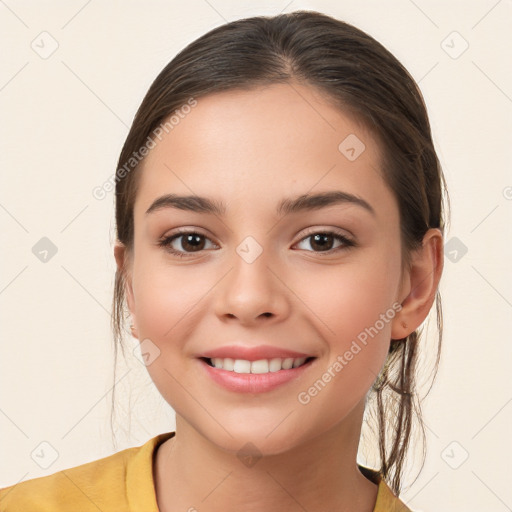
{"x": 280, "y": 243}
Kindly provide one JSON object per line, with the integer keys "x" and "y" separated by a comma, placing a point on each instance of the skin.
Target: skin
{"x": 251, "y": 149}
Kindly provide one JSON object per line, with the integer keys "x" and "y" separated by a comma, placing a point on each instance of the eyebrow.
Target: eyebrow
{"x": 305, "y": 202}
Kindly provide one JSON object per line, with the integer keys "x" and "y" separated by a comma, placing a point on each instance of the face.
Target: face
{"x": 321, "y": 280}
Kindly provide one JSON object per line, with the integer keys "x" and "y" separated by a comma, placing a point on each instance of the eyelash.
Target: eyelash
{"x": 166, "y": 242}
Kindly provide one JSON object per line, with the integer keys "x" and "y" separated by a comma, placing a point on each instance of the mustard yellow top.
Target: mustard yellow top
{"x": 122, "y": 482}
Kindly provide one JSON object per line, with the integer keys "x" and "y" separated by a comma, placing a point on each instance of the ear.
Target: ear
{"x": 419, "y": 285}
{"x": 123, "y": 262}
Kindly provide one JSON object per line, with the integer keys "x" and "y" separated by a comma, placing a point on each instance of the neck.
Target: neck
{"x": 192, "y": 473}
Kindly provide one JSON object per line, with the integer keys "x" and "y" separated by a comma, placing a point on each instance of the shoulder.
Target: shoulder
{"x": 97, "y": 485}
{"x": 387, "y": 501}
{"x": 89, "y": 486}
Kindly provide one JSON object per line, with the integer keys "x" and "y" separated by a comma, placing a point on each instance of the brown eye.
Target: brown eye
{"x": 191, "y": 242}
{"x": 323, "y": 241}
{"x": 183, "y": 243}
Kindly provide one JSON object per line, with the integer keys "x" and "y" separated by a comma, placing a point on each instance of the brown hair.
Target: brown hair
{"x": 360, "y": 76}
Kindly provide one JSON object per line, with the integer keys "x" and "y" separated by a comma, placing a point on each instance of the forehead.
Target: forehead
{"x": 260, "y": 145}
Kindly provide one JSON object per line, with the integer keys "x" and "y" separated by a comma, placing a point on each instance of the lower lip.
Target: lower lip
{"x": 253, "y": 382}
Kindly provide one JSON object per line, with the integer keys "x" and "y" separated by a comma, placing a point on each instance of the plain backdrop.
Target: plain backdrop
{"x": 72, "y": 76}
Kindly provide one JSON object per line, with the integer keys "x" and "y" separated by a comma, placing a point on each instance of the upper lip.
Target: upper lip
{"x": 252, "y": 353}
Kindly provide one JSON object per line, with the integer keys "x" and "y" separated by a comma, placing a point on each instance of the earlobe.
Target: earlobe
{"x": 420, "y": 285}
{"x": 133, "y": 330}
{"x": 123, "y": 264}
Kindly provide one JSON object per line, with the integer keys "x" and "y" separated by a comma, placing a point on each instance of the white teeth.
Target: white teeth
{"x": 242, "y": 366}
{"x": 217, "y": 362}
{"x": 298, "y": 362}
{"x": 274, "y": 365}
{"x": 287, "y": 363}
{"x": 260, "y": 366}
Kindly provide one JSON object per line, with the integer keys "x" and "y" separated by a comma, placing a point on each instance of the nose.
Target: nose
{"x": 253, "y": 292}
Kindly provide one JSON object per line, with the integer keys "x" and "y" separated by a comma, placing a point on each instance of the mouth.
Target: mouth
{"x": 260, "y": 366}
{"x": 258, "y": 376}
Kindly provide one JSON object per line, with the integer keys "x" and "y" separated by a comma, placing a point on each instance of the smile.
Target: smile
{"x": 259, "y": 366}
{"x": 243, "y": 376}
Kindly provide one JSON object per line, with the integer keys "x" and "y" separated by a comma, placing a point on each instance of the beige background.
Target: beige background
{"x": 64, "y": 119}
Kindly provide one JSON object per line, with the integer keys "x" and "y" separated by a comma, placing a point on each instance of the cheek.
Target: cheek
{"x": 352, "y": 304}
{"x": 167, "y": 300}
{"x": 354, "y": 309}
{"x": 352, "y": 297}
{"x": 165, "y": 295}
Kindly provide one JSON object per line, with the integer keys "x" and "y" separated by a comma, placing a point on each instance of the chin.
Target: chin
{"x": 256, "y": 447}
{"x": 253, "y": 440}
